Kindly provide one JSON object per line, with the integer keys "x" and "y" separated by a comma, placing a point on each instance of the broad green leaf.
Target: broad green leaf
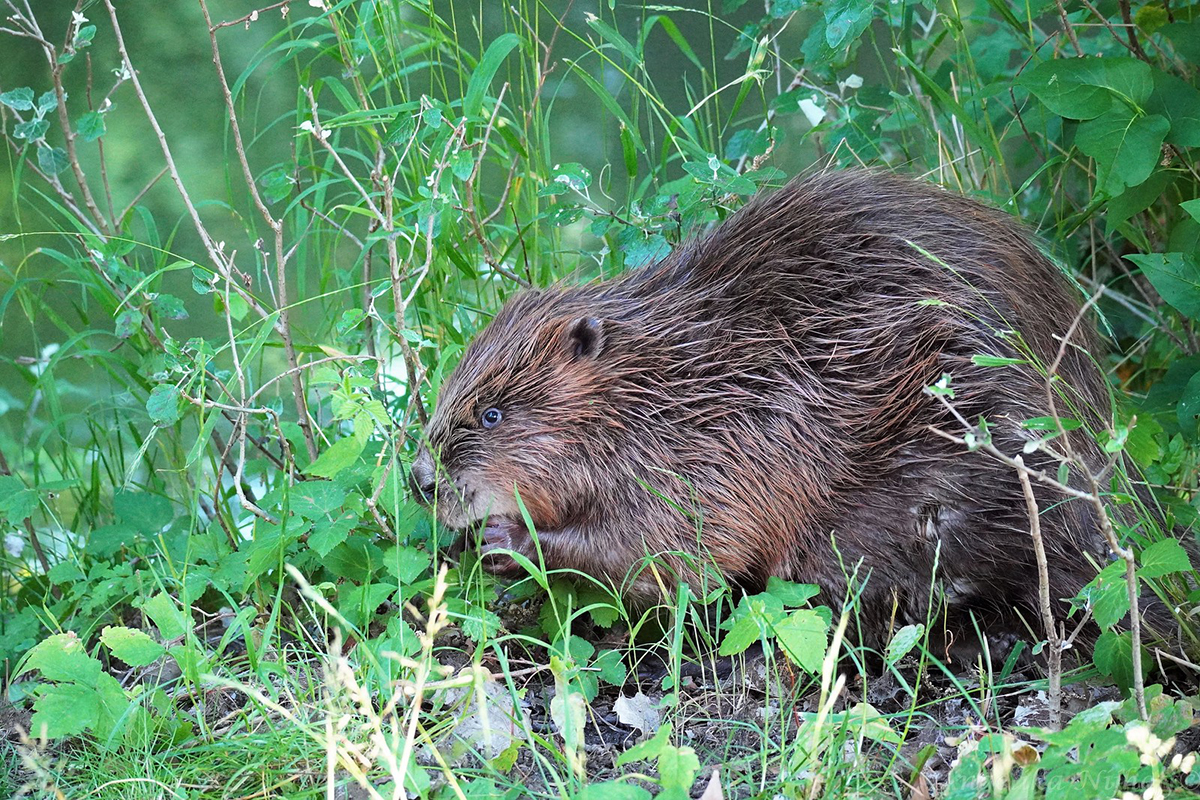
{"x": 903, "y": 641}
{"x": 791, "y": 594}
{"x": 166, "y": 616}
{"x": 52, "y": 160}
{"x": 1179, "y": 102}
{"x": 1109, "y": 595}
{"x": 134, "y": 647}
{"x": 64, "y": 572}
{"x": 61, "y": 657}
{"x": 327, "y": 535}
{"x": 341, "y": 454}
{"x": 1175, "y": 276}
{"x": 651, "y": 748}
{"x": 1135, "y": 199}
{"x": 18, "y": 99}
{"x": 802, "y": 635}
{"x": 845, "y": 20}
{"x": 406, "y": 564}
{"x": 745, "y": 632}
{"x": 48, "y": 101}
{"x": 163, "y": 404}
{"x": 90, "y": 126}
{"x": 677, "y": 768}
{"x": 1126, "y": 147}
{"x": 485, "y": 70}
{"x": 32, "y": 129}
{"x": 66, "y": 709}
{"x": 148, "y": 513}
{"x": 1085, "y": 88}
{"x": 1164, "y": 558}
{"x": 317, "y": 499}
{"x": 1188, "y": 409}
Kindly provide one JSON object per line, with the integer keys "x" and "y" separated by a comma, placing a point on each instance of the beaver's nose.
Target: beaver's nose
{"x": 422, "y": 481}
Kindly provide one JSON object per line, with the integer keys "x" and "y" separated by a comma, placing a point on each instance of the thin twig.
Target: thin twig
{"x": 1053, "y": 643}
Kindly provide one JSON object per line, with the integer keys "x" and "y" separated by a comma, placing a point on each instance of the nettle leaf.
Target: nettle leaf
{"x": 358, "y": 603}
{"x": 52, "y": 160}
{"x": 67, "y": 709}
{"x": 1126, "y": 146}
{"x": 90, "y": 126}
{"x": 16, "y": 502}
{"x": 134, "y": 647}
{"x": 18, "y": 99}
{"x": 803, "y": 636}
{"x": 1164, "y": 558}
{"x": 327, "y": 535}
{"x": 1085, "y": 88}
{"x": 1175, "y": 276}
{"x": 163, "y": 404}
{"x": 1109, "y": 595}
{"x": 341, "y": 454}
{"x": 317, "y": 499}
{"x": 62, "y": 657}
{"x": 406, "y": 564}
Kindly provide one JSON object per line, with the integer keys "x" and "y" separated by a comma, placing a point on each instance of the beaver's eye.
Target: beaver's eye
{"x": 491, "y": 418}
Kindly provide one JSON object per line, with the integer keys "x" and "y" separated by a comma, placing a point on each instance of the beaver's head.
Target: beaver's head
{"x": 523, "y": 414}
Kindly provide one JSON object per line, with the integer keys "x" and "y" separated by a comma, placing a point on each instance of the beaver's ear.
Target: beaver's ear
{"x": 585, "y": 337}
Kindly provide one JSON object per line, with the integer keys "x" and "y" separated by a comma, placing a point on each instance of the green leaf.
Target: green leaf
{"x": 903, "y": 641}
{"x": 1113, "y": 656}
{"x": 612, "y": 668}
{"x": 677, "y": 768}
{"x": 127, "y": 322}
{"x": 48, "y": 101}
{"x": 327, "y": 535}
{"x": 341, "y": 454}
{"x": 802, "y": 634}
{"x": 64, "y": 572}
{"x": 745, "y": 632}
{"x": 18, "y": 99}
{"x": 651, "y": 748}
{"x": 134, "y": 647}
{"x": 61, "y": 657}
{"x": 1126, "y": 146}
{"x": 52, "y": 160}
{"x": 791, "y": 594}
{"x": 485, "y": 70}
{"x": 1179, "y": 102}
{"x": 981, "y": 360}
{"x": 845, "y": 20}
{"x": 166, "y": 615}
{"x": 1175, "y": 276}
{"x": 317, "y": 499}
{"x": 169, "y": 306}
{"x": 163, "y": 404}
{"x": 148, "y": 513}
{"x": 1109, "y": 595}
{"x": 90, "y": 126}
{"x": 358, "y": 603}
{"x": 84, "y": 36}
{"x": 32, "y": 130}
{"x": 68, "y": 709}
{"x": 406, "y": 564}
{"x": 1084, "y": 88}
{"x": 1135, "y": 199}
{"x": 1188, "y": 410}
{"x": 1164, "y": 558}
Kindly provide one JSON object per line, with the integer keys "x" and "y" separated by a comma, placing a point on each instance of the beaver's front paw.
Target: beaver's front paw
{"x": 499, "y": 534}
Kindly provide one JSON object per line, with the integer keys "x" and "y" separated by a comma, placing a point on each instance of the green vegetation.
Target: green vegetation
{"x": 228, "y": 297}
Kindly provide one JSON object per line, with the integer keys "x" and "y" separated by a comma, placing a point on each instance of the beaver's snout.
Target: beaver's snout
{"x": 422, "y": 477}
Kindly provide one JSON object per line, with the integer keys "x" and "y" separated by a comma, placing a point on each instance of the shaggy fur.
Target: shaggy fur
{"x": 757, "y": 399}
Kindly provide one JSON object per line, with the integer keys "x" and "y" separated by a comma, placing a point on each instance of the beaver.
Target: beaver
{"x": 758, "y": 400}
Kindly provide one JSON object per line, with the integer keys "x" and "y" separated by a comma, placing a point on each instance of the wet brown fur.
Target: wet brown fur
{"x": 757, "y": 399}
